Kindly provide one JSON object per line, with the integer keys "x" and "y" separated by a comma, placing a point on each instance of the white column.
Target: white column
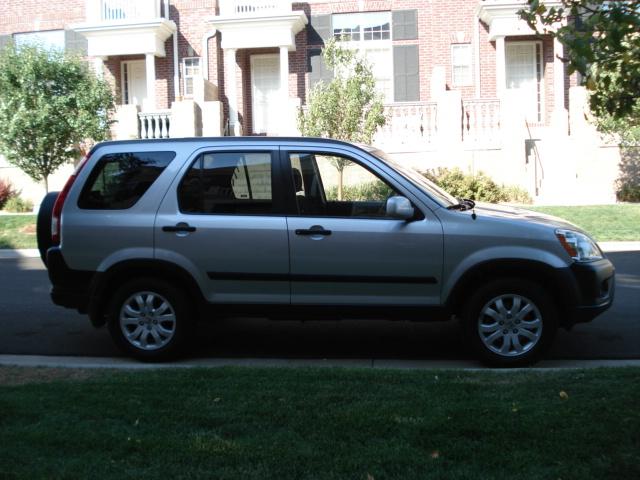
{"x": 98, "y": 66}
{"x": 560, "y": 115}
{"x": 150, "y": 63}
{"x": 284, "y": 73}
{"x": 501, "y": 70}
{"x": 232, "y": 91}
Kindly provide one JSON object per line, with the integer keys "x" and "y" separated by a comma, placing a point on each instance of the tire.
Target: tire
{"x": 150, "y": 319}
{"x": 43, "y": 224}
{"x": 510, "y": 322}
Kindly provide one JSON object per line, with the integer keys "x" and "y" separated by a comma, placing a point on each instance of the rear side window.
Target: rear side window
{"x": 228, "y": 182}
{"x": 119, "y": 180}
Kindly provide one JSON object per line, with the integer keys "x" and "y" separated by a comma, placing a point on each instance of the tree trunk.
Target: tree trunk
{"x": 46, "y": 184}
{"x": 340, "y": 177}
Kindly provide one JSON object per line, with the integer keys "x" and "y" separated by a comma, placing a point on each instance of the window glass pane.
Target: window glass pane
{"x": 461, "y": 60}
{"x": 52, "y": 39}
{"x": 334, "y": 186}
{"x": 231, "y": 182}
{"x": 191, "y": 69}
{"x": 119, "y": 180}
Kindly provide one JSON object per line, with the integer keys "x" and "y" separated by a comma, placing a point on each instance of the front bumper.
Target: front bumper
{"x": 595, "y": 283}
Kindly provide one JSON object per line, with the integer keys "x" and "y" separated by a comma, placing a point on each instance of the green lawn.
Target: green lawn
{"x": 251, "y": 423}
{"x": 604, "y": 222}
{"x": 18, "y": 231}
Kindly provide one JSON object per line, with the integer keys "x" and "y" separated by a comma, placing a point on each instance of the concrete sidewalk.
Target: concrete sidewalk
{"x": 128, "y": 364}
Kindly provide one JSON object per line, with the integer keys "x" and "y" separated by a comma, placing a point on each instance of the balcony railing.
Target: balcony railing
{"x": 119, "y": 10}
{"x": 258, "y": 8}
{"x": 154, "y": 124}
{"x": 481, "y": 121}
{"x": 409, "y": 125}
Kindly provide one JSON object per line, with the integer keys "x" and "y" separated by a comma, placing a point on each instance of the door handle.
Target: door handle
{"x": 180, "y": 227}
{"x": 315, "y": 230}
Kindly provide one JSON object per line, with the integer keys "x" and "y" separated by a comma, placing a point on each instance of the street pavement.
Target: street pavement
{"x": 32, "y": 325}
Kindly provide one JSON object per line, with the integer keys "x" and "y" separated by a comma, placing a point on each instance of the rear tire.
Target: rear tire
{"x": 43, "y": 224}
{"x": 150, "y": 320}
{"x": 510, "y": 322}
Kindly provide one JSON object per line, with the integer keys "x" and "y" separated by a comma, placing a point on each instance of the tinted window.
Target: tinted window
{"x": 229, "y": 182}
{"x": 334, "y": 186}
{"x": 119, "y": 180}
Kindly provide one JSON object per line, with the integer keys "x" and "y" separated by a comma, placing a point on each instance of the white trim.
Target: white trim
{"x": 122, "y": 81}
{"x": 252, "y": 60}
{"x": 541, "y": 82}
{"x": 452, "y": 47}
{"x": 184, "y": 74}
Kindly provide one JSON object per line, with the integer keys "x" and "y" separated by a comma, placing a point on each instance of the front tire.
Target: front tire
{"x": 510, "y": 322}
{"x": 150, "y": 320}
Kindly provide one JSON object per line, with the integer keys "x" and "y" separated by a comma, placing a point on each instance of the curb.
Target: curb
{"x": 7, "y": 253}
{"x": 127, "y": 364}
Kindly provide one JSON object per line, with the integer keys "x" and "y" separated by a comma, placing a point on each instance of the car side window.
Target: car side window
{"x": 336, "y": 186}
{"x": 119, "y": 180}
{"x": 228, "y": 183}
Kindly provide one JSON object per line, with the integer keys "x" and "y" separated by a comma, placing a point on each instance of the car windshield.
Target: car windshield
{"x": 417, "y": 178}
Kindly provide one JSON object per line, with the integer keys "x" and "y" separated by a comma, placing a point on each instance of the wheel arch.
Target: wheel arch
{"x": 558, "y": 282}
{"x": 105, "y": 282}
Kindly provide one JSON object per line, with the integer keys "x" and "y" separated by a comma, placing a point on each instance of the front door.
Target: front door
{"x": 345, "y": 250}
{"x": 265, "y": 92}
{"x": 222, "y": 222}
{"x": 134, "y": 82}
{"x": 523, "y": 76}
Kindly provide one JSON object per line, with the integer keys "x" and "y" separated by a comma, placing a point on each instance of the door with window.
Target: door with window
{"x": 134, "y": 82}
{"x": 523, "y": 62}
{"x": 265, "y": 92}
{"x": 345, "y": 249}
{"x": 222, "y": 221}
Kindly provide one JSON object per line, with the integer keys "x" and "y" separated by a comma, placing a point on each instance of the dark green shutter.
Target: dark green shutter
{"x": 405, "y": 24}
{"x": 406, "y": 73}
{"x": 319, "y": 29}
{"x": 318, "y": 70}
{"x": 75, "y": 42}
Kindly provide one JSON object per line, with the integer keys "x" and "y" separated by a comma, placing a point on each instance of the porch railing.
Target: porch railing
{"x": 154, "y": 124}
{"x": 481, "y": 121}
{"x": 408, "y": 124}
{"x": 116, "y": 10}
{"x": 254, "y": 7}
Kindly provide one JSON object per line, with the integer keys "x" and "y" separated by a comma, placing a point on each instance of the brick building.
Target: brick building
{"x": 465, "y": 82}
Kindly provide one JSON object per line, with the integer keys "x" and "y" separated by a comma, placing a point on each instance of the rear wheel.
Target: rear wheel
{"x": 510, "y": 322}
{"x": 43, "y": 224}
{"x": 150, "y": 319}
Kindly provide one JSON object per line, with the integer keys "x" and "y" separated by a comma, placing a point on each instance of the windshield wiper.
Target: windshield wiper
{"x": 465, "y": 204}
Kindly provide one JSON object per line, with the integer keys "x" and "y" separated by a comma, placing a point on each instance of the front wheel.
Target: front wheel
{"x": 510, "y": 322}
{"x": 149, "y": 319}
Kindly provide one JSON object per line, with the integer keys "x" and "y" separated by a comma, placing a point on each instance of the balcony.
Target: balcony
{"x": 276, "y": 20}
{"x": 125, "y": 27}
{"x": 501, "y": 16}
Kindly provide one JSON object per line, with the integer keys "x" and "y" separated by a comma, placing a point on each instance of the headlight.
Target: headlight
{"x": 579, "y": 247}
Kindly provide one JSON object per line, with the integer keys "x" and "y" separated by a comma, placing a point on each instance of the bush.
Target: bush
{"x": 372, "y": 191}
{"x": 18, "y": 205}
{"x": 7, "y": 192}
{"x": 628, "y": 182}
{"x": 478, "y": 187}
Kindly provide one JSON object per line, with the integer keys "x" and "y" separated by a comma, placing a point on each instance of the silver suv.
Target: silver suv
{"x": 148, "y": 236}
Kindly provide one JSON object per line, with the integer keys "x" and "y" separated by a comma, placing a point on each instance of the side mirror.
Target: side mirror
{"x": 400, "y": 207}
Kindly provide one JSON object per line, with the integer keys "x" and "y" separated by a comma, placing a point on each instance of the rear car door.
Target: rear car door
{"x": 344, "y": 249}
{"x": 222, "y": 220}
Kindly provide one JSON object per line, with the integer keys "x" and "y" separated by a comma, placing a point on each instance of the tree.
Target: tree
{"x": 602, "y": 42}
{"x": 50, "y": 104}
{"x": 346, "y": 108}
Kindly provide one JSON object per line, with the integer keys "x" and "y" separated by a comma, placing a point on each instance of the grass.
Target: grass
{"x": 18, "y": 231}
{"x": 604, "y": 222}
{"x": 252, "y": 423}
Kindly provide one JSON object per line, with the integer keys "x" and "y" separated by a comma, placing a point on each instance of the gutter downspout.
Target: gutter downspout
{"x": 205, "y": 52}
{"x": 176, "y": 63}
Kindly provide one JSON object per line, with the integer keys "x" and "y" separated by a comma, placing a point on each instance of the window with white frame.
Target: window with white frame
{"x": 50, "y": 39}
{"x": 461, "y": 64}
{"x": 370, "y": 34}
{"x": 190, "y": 69}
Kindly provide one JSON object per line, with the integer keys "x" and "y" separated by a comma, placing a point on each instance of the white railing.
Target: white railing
{"x": 481, "y": 121}
{"x": 118, "y": 10}
{"x": 241, "y": 8}
{"x": 408, "y": 124}
{"x": 154, "y": 124}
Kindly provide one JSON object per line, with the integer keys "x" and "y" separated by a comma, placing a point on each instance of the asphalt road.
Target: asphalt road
{"x": 31, "y": 324}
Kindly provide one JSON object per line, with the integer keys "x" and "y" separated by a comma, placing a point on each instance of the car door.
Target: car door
{"x": 223, "y": 221}
{"x": 344, "y": 249}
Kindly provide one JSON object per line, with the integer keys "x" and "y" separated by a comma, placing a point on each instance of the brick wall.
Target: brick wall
{"x": 37, "y": 15}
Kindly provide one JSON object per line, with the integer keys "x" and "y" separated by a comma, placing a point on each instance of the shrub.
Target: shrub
{"x": 628, "y": 182}
{"x": 18, "y": 205}
{"x": 376, "y": 190}
{"x": 476, "y": 187}
{"x": 6, "y": 192}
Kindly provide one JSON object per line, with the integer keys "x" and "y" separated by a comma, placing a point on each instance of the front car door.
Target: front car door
{"x": 223, "y": 221}
{"x": 344, "y": 249}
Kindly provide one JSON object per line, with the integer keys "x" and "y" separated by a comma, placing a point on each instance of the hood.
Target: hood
{"x": 515, "y": 213}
